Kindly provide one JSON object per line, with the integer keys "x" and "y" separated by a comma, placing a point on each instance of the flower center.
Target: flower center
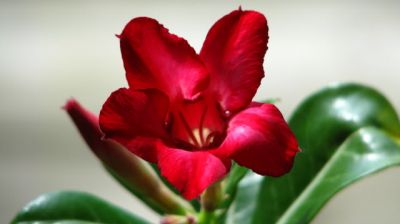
{"x": 199, "y": 137}
{"x": 197, "y": 126}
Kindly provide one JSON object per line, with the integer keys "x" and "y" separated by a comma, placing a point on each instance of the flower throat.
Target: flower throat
{"x": 197, "y": 126}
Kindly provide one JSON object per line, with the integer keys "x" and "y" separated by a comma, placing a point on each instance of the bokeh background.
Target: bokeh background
{"x": 53, "y": 50}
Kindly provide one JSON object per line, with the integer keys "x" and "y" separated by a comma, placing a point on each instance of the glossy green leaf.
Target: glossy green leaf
{"x": 321, "y": 124}
{"x": 246, "y": 200}
{"x": 74, "y": 208}
{"x": 366, "y": 151}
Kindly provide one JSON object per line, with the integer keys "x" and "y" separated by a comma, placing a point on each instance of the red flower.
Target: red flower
{"x": 192, "y": 113}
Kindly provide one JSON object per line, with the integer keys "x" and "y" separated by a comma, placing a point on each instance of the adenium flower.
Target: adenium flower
{"x": 192, "y": 114}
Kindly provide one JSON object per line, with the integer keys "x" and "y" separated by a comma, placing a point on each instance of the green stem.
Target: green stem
{"x": 206, "y": 217}
{"x": 235, "y": 176}
{"x": 210, "y": 200}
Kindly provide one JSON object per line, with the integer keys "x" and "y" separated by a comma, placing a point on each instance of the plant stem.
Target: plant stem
{"x": 206, "y": 217}
{"x": 210, "y": 201}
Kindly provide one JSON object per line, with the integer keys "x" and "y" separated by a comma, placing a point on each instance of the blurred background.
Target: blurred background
{"x": 54, "y": 50}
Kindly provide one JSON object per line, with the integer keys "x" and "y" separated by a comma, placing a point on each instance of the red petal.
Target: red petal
{"x": 154, "y": 58}
{"x": 260, "y": 139}
{"x": 135, "y": 119}
{"x": 191, "y": 172}
{"x": 234, "y": 52}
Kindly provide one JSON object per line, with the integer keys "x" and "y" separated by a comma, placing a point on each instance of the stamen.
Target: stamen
{"x": 192, "y": 139}
{"x": 196, "y": 134}
{"x": 210, "y": 138}
{"x": 203, "y": 116}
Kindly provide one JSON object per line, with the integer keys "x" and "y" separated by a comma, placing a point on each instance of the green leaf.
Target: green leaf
{"x": 69, "y": 207}
{"x": 365, "y": 152}
{"x": 246, "y": 198}
{"x": 321, "y": 124}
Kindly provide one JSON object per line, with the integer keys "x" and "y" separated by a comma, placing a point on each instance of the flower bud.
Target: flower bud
{"x": 137, "y": 175}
